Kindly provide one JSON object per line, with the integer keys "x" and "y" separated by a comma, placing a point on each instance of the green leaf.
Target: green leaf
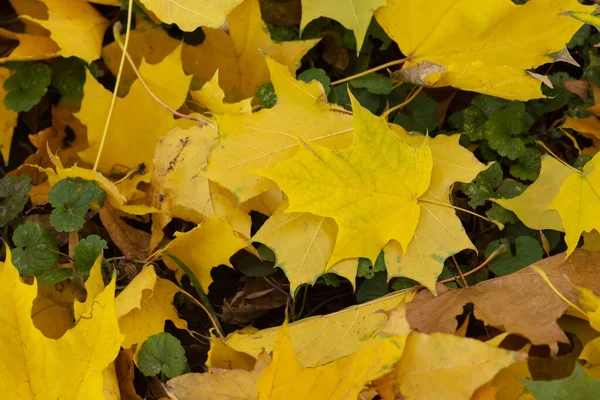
{"x": 266, "y": 253}
{"x": 528, "y": 166}
{"x": 369, "y": 100}
{"x": 266, "y": 95}
{"x": 501, "y": 214}
{"x": 330, "y": 280}
{"x": 56, "y": 276}
{"x": 86, "y": 253}
{"x": 373, "y": 288}
{"x": 510, "y": 188}
{"x": 250, "y": 265}
{"x": 482, "y": 187}
{"x": 421, "y": 115}
{"x": 579, "y": 386}
{"x": 527, "y": 250}
{"x": 489, "y": 104}
{"x": 473, "y": 120}
{"x": 501, "y": 130}
{"x": 36, "y": 252}
{"x": 27, "y": 86}
{"x": 402, "y": 283}
{"x": 316, "y": 74}
{"x": 14, "y": 194}
{"x": 68, "y": 76}
{"x": 71, "y": 199}
{"x": 581, "y": 160}
{"x": 374, "y": 83}
{"x": 162, "y": 353}
{"x": 367, "y": 270}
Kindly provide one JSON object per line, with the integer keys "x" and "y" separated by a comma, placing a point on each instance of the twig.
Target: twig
{"x": 410, "y": 98}
{"x": 367, "y": 72}
{"x": 501, "y": 249}
{"x": 462, "y": 277}
{"x": 500, "y": 225}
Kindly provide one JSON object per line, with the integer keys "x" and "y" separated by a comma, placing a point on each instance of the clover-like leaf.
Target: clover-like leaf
{"x": 266, "y": 95}
{"x": 56, "y": 276}
{"x": 374, "y": 83}
{"x": 27, "y": 86}
{"x": 527, "y": 250}
{"x": 528, "y": 165}
{"x": 87, "y": 251}
{"x": 316, "y": 74}
{"x": 71, "y": 199}
{"x": 36, "y": 251}
{"x": 68, "y": 76}
{"x": 422, "y": 116}
{"x": 14, "y": 194}
{"x": 367, "y": 269}
{"x": 162, "y": 353}
{"x": 483, "y": 186}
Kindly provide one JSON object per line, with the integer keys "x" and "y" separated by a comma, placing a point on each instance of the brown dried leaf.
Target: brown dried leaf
{"x": 578, "y": 87}
{"x": 256, "y": 298}
{"x": 125, "y": 374}
{"x": 133, "y": 243}
{"x": 520, "y": 303}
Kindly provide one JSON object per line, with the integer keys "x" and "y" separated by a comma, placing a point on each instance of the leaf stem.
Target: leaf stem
{"x": 498, "y": 224}
{"x": 500, "y": 250}
{"x": 203, "y": 121}
{"x": 400, "y": 106}
{"x": 539, "y": 142}
{"x": 462, "y": 277}
{"x": 545, "y": 278}
{"x": 203, "y": 297}
{"x": 118, "y": 82}
{"x": 367, "y": 72}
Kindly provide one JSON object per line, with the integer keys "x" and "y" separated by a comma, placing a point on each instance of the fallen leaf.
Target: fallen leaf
{"x": 499, "y": 302}
{"x": 70, "y": 367}
{"x": 125, "y": 375}
{"x": 323, "y": 339}
{"x": 256, "y": 297}
{"x": 441, "y": 366}
{"x": 580, "y": 383}
{"x": 206, "y": 246}
{"x": 191, "y": 14}
{"x": 8, "y": 119}
{"x": 144, "y": 305}
{"x": 211, "y": 97}
{"x": 481, "y": 46}
{"x": 264, "y": 138}
{"x": 30, "y": 47}
{"x": 352, "y": 186}
{"x": 169, "y": 84}
{"x": 76, "y": 27}
{"x": 239, "y": 56}
{"x": 133, "y": 243}
{"x": 355, "y": 15}
{"x": 52, "y": 309}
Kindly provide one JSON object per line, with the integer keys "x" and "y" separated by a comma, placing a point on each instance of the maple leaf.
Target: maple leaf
{"x": 268, "y": 136}
{"x": 168, "y": 82}
{"x": 69, "y": 367}
{"x": 75, "y": 26}
{"x": 338, "y": 334}
{"x": 206, "y": 246}
{"x": 352, "y": 186}
{"x": 144, "y": 305}
{"x": 590, "y": 125}
{"x": 355, "y": 15}
{"x": 482, "y": 46}
{"x": 211, "y": 96}
{"x": 30, "y": 47}
{"x": 8, "y": 118}
{"x": 191, "y": 14}
{"x": 239, "y": 56}
{"x": 52, "y": 309}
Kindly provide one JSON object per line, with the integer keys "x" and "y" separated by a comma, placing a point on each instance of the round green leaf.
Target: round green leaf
{"x": 36, "y": 252}
{"x": 162, "y": 353}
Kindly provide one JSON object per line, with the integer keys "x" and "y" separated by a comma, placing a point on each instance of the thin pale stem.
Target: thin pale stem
{"x": 498, "y": 224}
{"x": 500, "y": 250}
{"x": 545, "y": 278}
{"x": 216, "y": 325}
{"x": 539, "y": 142}
{"x": 400, "y": 106}
{"x": 462, "y": 277}
{"x": 203, "y": 121}
{"x": 116, "y": 32}
{"x": 367, "y": 72}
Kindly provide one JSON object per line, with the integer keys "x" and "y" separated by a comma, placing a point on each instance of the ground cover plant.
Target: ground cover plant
{"x": 298, "y": 199}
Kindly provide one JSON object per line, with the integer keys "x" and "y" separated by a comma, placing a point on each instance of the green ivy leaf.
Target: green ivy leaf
{"x": 36, "y": 252}
{"x": 421, "y": 115}
{"x": 528, "y": 166}
{"x": 366, "y": 269}
{"x": 373, "y": 288}
{"x": 527, "y": 250}
{"x": 489, "y": 104}
{"x": 331, "y": 280}
{"x": 402, "y": 283}
{"x": 56, "y": 276}
{"x": 501, "y": 214}
{"x": 473, "y": 120}
{"x": 250, "y": 265}
{"x": 510, "y": 188}
{"x": 482, "y": 187}
{"x": 374, "y": 83}
{"x": 14, "y": 195}
{"x": 501, "y": 132}
{"x": 86, "y": 253}
{"x": 579, "y": 386}
{"x": 27, "y": 85}
{"x": 316, "y": 74}
{"x": 266, "y": 95}
{"x": 162, "y": 353}
{"x": 68, "y": 76}
{"x": 71, "y": 199}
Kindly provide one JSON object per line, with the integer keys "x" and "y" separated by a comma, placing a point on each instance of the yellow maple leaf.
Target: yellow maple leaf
{"x": 52, "y": 310}
{"x": 458, "y": 366}
{"x": 8, "y": 118}
{"x": 265, "y": 138}
{"x": 323, "y": 339}
{"x": 144, "y": 305}
{"x": 532, "y": 206}
{"x": 578, "y": 203}
{"x": 136, "y": 116}
{"x": 76, "y": 27}
{"x": 206, "y": 246}
{"x": 239, "y": 56}
{"x": 424, "y": 258}
{"x": 211, "y": 96}
{"x": 70, "y": 367}
{"x": 352, "y": 186}
{"x": 30, "y": 47}
{"x": 191, "y": 14}
{"x": 481, "y": 45}
{"x": 588, "y": 126}
{"x": 341, "y": 379}
{"x": 355, "y": 15}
